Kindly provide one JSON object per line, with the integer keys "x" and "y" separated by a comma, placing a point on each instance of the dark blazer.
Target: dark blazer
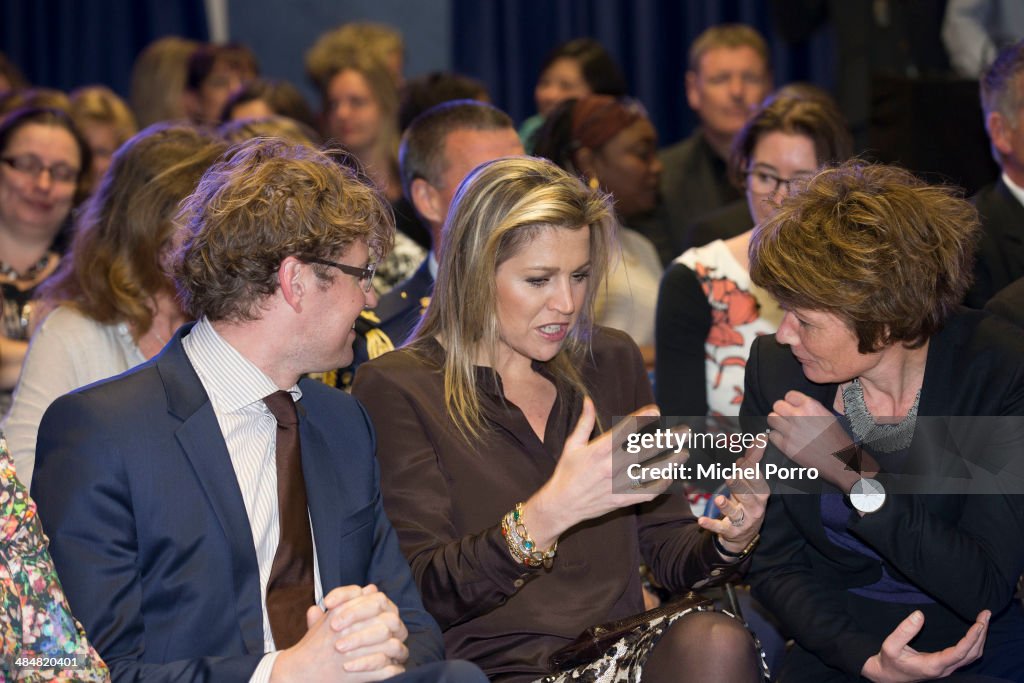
{"x": 1000, "y": 254}
{"x": 400, "y": 309}
{"x": 694, "y": 183}
{"x": 964, "y": 551}
{"x": 1008, "y": 303}
{"x": 150, "y": 536}
{"x": 729, "y": 221}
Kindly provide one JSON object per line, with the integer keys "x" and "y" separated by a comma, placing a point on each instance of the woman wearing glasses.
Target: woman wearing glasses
{"x": 708, "y": 312}
{"x": 42, "y": 155}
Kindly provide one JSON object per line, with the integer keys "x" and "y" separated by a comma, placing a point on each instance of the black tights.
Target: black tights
{"x": 702, "y": 647}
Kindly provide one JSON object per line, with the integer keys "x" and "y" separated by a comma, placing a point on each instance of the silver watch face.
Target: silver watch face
{"x": 867, "y": 495}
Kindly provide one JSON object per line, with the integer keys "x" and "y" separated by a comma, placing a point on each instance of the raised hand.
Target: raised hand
{"x": 743, "y": 510}
{"x": 588, "y": 481}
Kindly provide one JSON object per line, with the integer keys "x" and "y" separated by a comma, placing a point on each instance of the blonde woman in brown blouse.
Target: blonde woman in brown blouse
{"x": 484, "y": 422}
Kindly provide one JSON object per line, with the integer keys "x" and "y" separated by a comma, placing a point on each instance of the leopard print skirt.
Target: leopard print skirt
{"x": 624, "y": 661}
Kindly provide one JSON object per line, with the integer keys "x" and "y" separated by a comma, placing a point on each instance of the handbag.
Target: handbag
{"x": 595, "y": 641}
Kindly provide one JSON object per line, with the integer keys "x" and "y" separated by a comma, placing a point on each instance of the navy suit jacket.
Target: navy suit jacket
{"x": 150, "y": 536}
{"x": 999, "y": 258}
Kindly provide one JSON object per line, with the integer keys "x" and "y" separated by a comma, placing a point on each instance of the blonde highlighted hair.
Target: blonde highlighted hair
{"x": 497, "y": 210}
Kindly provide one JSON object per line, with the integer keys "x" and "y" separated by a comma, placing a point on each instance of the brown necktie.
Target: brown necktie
{"x": 290, "y": 590}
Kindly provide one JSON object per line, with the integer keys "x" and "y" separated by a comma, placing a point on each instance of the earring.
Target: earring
{"x": 593, "y": 183}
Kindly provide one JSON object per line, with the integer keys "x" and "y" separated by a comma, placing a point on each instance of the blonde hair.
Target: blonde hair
{"x": 380, "y": 41}
{"x": 497, "y": 210}
{"x": 729, "y": 36}
{"x": 99, "y": 104}
{"x": 384, "y": 90}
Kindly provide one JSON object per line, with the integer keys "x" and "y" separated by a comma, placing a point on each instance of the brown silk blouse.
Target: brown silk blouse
{"x": 446, "y": 500}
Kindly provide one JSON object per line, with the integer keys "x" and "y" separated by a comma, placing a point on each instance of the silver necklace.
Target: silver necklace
{"x": 886, "y": 437}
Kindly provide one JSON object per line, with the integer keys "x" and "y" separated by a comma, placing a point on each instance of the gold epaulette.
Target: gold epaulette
{"x": 369, "y": 315}
{"x": 330, "y": 378}
{"x": 377, "y": 343}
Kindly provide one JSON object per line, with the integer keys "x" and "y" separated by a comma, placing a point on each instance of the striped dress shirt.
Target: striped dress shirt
{"x": 236, "y": 389}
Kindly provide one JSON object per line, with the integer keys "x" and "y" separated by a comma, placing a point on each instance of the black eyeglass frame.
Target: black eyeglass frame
{"x": 362, "y": 274}
{"x": 777, "y": 181}
{"x": 64, "y": 172}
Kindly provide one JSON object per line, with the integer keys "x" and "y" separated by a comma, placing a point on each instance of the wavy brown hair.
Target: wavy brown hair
{"x": 264, "y": 200}
{"x": 114, "y": 267}
{"x": 873, "y": 245}
{"x": 497, "y": 210}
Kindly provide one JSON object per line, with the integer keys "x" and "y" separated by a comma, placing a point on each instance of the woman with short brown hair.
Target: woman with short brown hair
{"x": 916, "y": 532}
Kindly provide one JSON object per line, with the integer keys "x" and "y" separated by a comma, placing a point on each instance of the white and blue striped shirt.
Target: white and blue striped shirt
{"x": 236, "y": 389}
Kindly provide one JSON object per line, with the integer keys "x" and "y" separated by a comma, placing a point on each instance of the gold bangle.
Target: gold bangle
{"x": 520, "y": 545}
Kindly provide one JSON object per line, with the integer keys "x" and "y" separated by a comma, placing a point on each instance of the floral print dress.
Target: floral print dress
{"x": 740, "y": 312}
{"x": 41, "y": 640}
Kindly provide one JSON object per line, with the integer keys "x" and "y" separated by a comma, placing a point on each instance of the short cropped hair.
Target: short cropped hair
{"x": 728, "y": 36}
{"x": 1000, "y": 84}
{"x": 498, "y": 210}
{"x": 264, "y": 200}
{"x": 815, "y": 116}
{"x": 431, "y": 89}
{"x": 422, "y": 153}
{"x": 873, "y": 245}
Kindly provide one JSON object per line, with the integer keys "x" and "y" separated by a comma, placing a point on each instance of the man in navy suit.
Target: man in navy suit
{"x": 212, "y": 517}
{"x": 439, "y": 149}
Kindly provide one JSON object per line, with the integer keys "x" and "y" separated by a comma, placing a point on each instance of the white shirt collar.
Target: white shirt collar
{"x": 230, "y": 379}
{"x": 1016, "y": 190}
{"x": 432, "y": 265}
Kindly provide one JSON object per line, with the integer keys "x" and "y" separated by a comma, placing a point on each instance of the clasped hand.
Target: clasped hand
{"x": 357, "y": 636}
{"x": 810, "y": 435}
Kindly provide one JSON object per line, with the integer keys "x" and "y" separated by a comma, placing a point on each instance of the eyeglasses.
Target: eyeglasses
{"x": 33, "y": 166}
{"x": 763, "y": 182}
{"x": 364, "y": 275}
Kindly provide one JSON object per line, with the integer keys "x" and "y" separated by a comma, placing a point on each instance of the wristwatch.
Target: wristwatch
{"x": 867, "y": 495}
